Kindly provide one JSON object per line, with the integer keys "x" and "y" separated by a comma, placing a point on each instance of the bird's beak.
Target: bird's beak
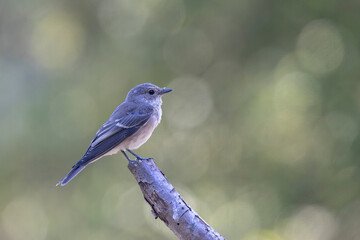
{"x": 165, "y": 91}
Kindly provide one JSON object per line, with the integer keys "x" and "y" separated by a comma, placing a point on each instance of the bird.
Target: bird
{"x": 129, "y": 127}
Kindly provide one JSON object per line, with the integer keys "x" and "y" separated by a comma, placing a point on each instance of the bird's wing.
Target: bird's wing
{"x": 114, "y": 131}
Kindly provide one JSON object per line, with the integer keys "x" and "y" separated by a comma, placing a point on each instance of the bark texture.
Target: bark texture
{"x": 168, "y": 205}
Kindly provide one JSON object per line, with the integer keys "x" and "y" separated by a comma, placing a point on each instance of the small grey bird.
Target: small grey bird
{"x": 129, "y": 127}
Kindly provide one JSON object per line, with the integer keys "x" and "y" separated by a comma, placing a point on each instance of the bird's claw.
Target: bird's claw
{"x": 133, "y": 161}
{"x": 139, "y": 159}
{"x": 144, "y": 159}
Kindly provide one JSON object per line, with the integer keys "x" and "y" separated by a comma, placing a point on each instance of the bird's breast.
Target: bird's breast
{"x": 141, "y": 135}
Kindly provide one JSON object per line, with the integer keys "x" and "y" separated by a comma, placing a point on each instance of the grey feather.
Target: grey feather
{"x": 111, "y": 134}
{"x": 142, "y": 106}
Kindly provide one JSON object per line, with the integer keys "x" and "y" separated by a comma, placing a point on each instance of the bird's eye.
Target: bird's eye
{"x": 151, "y": 92}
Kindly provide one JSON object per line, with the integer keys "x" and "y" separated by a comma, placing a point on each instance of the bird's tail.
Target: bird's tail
{"x": 68, "y": 177}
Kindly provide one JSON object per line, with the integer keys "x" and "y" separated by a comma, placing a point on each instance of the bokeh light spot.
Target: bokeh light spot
{"x": 286, "y": 130}
{"x": 311, "y": 223}
{"x": 188, "y": 51}
{"x": 57, "y": 40}
{"x": 235, "y": 219}
{"x": 73, "y": 113}
{"x": 25, "y": 219}
{"x": 198, "y": 148}
{"x": 129, "y": 213}
{"x": 190, "y": 104}
{"x": 320, "y": 47}
{"x": 167, "y": 16}
{"x": 122, "y": 206}
{"x": 264, "y": 235}
{"x": 296, "y": 94}
{"x": 123, "y": 18}
{"x": 286, "y": 65}
{"x": 349, "y": 219}
{"x": 342, "y": 126}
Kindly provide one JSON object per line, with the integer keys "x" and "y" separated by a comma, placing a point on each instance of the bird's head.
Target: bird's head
{"x": 146, "y": 93}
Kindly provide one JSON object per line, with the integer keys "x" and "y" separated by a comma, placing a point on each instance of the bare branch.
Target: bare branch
{"x": 168, "y": 205}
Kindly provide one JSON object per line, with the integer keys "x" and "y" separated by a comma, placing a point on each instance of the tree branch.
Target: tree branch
{"x": 168, "y": 205}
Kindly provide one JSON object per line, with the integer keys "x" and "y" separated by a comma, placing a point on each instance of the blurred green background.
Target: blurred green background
{"x": 260, "y": 135}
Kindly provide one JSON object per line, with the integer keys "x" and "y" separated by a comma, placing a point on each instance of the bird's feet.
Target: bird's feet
{"x": 143, "y": 159}
{"x": 137, "y": 157}
{"x": 133, "y": 161}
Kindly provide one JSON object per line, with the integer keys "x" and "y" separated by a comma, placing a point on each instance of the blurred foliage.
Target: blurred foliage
{"x": 260, "y": 136}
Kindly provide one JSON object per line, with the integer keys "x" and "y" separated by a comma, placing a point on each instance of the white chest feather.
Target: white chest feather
{"x": 141, "y": 135}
